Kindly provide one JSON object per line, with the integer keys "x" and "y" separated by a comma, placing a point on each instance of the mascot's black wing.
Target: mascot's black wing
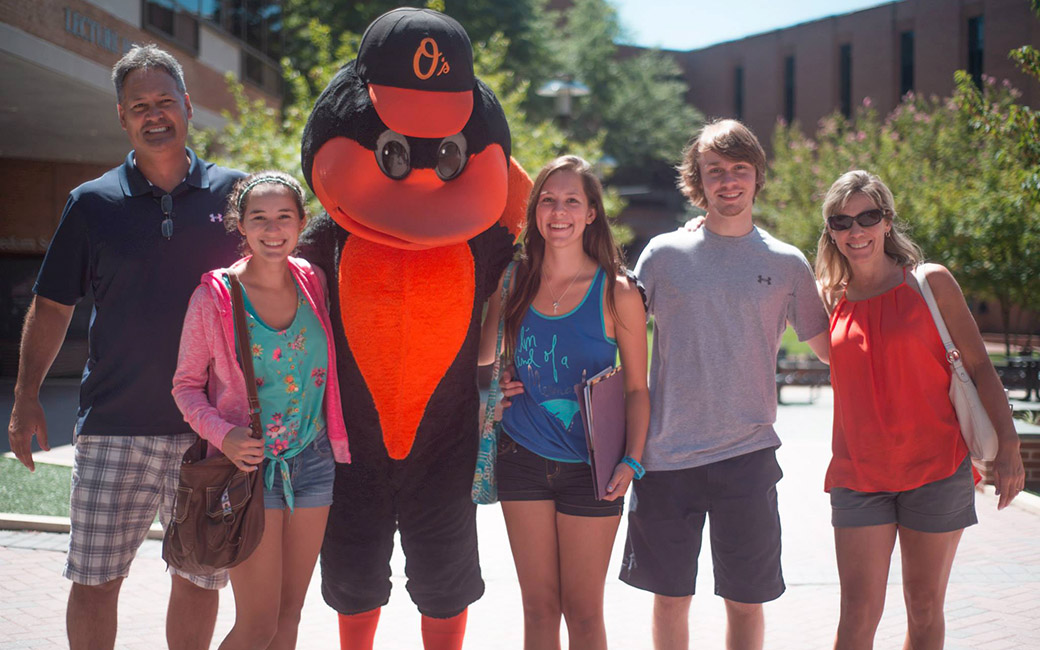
{"x": 321, "y": 243}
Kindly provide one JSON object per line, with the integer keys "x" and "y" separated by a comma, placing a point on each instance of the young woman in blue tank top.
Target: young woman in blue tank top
{"x": 571, "y": 311}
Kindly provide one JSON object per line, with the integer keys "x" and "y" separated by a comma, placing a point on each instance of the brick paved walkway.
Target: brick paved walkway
{"x": 993, "y": 601}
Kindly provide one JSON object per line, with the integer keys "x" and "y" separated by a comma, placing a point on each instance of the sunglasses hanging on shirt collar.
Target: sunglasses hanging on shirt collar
{"x": 166, "y": 203}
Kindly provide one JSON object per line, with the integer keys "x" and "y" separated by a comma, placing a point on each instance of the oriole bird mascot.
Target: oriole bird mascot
{"x": 410, "y": 156}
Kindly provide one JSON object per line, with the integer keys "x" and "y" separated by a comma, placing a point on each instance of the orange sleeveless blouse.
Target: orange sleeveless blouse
{"x": 894, "y": 425}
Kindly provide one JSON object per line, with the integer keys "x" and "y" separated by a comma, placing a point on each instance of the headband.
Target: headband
{"x": 260, "y": 181}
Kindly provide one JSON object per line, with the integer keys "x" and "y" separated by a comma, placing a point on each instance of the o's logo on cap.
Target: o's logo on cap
{"x": 428, "y": 50}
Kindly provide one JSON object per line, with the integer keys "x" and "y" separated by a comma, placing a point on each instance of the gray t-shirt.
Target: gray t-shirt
{"x": 720, "y": 305}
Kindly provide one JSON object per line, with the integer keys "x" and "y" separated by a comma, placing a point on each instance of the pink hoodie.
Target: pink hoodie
{"x": 209, "y": 386}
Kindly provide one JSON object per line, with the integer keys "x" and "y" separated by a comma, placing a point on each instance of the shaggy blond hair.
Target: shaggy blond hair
{"x": 728, "y": 138}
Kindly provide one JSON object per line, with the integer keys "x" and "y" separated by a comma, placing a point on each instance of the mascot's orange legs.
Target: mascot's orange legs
{"x": 358, "y": 631}
{"x": 444, "y": 633}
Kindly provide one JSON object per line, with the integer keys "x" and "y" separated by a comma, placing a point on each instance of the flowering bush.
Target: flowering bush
{"x": 965, "y": 172}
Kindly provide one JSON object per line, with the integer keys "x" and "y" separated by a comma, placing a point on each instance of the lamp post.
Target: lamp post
{"x": 563, "y": 90}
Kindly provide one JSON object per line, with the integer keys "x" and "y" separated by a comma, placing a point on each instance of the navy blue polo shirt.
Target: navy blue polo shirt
{"x": 109, "y": 243}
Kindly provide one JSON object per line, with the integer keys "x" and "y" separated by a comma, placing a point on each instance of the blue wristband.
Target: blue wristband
{"x": 636, "y": 467}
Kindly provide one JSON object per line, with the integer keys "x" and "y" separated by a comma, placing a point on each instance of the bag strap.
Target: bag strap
{"x": 953, "y": 355}
{"x": 496, "y": 369}
{"x": 245, "y": 355}
{"x": 506, "y": 281}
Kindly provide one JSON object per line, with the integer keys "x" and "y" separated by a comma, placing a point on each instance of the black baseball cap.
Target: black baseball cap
{"x": 418, "y": 67}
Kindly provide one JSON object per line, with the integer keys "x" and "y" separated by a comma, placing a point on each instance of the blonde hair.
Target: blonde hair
{"x": 832, "y": 268}
{"x": 729, "y": 139}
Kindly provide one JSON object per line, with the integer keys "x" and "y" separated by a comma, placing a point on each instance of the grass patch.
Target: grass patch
{"x": 1029, "y": 417}
{"x": 43, "y": 492}
{"x": 793, "y": 347}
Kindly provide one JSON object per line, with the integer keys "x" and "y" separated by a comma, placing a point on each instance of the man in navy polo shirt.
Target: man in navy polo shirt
{"x": 138, "y": 239}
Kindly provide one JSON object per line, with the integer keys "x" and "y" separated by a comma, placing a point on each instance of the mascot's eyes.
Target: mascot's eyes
{"x": 451, "y": 156}
{"x": 393, "y": 155}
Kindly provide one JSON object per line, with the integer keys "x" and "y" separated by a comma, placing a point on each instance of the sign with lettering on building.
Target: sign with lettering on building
{"x": 95, "y": 33}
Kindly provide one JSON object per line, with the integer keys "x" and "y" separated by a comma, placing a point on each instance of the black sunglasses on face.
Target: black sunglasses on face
{"x": 865, "y": 219}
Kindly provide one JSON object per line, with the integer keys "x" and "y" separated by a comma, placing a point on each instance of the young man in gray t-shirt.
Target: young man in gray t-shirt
{"x": 721, "y": 298}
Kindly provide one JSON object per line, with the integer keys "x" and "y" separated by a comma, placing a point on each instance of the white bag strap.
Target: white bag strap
{"x": 953, "y": 355}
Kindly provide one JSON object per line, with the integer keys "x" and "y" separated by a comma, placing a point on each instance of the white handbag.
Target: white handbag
{"x": 976, "y": 427}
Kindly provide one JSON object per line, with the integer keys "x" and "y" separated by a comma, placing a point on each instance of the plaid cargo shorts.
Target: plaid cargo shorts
{"x": 118, "y": 483}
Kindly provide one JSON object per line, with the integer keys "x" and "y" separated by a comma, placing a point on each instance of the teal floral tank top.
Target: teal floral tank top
{"x": 290, "y": 367}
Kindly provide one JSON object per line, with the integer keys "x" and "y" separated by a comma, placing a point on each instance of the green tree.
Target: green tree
{"x": 636, "y": 103}
{"x": 1007, "y": 207}
{"x": 520, "y": 21}
{"x": 537, "y": 141}
{"x": 256, "y": 136}
{"x": 963, "y": 171}
{"x": 637, "y": 100}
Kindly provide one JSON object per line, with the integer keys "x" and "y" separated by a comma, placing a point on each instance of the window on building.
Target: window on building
{"x": 211, "y": 10}
{"x": 257, "y": 24}
{"x": 975, "y": 28}
{"x": 255, "y": 28}
{"x": 261, "y": 72}
{"x": 176, "y": 20}
{"x": 906, "y": 62}
{"x": 738, "y": 92}
{"x": 845, "y": 79}
{"x": 789, "y": 89}
{"x": 275, "y": 28}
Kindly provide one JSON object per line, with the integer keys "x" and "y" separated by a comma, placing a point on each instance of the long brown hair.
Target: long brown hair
{"x": 597, "y": 242}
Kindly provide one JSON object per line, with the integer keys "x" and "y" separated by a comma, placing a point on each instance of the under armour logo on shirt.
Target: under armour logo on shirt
{"x": 768, "y": 281}
{"x": 216, "y": 218}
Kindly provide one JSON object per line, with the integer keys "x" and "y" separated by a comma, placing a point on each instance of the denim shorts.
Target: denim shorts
{"x": 941, "y": 506}
{"x": 311, "y": 473}
{"x": 523, "y": 475}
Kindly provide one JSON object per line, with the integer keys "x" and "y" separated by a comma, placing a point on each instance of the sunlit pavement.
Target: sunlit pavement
{"x": 992, "y": 603}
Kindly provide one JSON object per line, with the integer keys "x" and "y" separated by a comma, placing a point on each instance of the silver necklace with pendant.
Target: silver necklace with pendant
{"x": 548, "y": 285}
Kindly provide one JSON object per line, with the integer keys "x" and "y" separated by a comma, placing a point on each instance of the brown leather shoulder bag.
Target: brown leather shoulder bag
{"x": 218, "y": 514}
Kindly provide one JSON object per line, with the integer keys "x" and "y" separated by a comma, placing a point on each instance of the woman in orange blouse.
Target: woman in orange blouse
{"x": 900, "y": 466}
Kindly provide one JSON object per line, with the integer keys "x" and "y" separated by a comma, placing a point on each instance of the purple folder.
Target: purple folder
{"x": 601, "y": 400}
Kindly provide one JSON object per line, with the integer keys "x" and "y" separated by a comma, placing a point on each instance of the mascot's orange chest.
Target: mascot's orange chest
{"x": 406, "y": 314}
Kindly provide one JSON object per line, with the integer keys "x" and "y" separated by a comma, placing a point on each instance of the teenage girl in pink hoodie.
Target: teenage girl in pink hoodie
{"x": 295, "y": 365}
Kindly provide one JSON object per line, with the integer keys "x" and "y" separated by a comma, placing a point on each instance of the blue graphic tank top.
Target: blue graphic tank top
{"x": 551, "y": 354}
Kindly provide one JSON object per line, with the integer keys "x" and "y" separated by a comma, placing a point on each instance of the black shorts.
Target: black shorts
{"x": 666, "y": 520}
{"x": 426, "y": 498}
{"x": 523, "y": 475}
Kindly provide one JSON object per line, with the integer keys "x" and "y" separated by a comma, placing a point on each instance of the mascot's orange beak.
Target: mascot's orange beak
{"x": 417, "y": 212}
